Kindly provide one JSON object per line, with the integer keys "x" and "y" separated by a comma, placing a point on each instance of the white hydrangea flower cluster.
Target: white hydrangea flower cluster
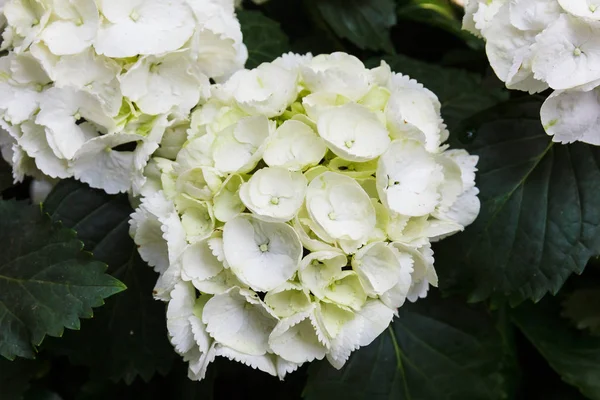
{"x": 534, "y": 45}
{"x": 84, "y": 77}
{"x": 297, "y": 217}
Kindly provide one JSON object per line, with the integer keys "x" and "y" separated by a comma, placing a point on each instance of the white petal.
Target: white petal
{"x": 264, "y": 363}
{"x": 377, "y": 317}
{"x": 294, "y": 146}
{"x": 408, "y": 178}
{"x": 567, "y": 53}
{"x": 198, "y": 221}
{"x": 319, "y": 269}
{"x": 266, "y": 90}
{"x": 452, "y": 185}
{"x": 261, "y": 254}
{"x": 60, "y": 111}
{"x": 463, "y": 212}
{"x": 40, "y": 189}
{"x": 285, "y": 367}
{"x": 75, "y": 34}
{"x": 295, "y": 340}
{"x": 179, "y": 310}
{"x": 160, "y": 84}
{"x": 198, "y": 362}
{"x": 239, "y": 147}
{"x": 34, "y": 142}
{"x": 227, "y": 202}
{"x": 396, "y": 296}
{"x": 582, "y": 8}
{"x": 570, "y": 116}
{"x": 143, "y": 27}
{"x": 97, "y": 164}
{"x": 199, "y": 183}
{"x": 288, "y": 299}
{"x": 535, "y": 14}
{"x": 356, "y": 170}
{"x": 155, "y": 218}
{"x": 218, "y": 284}
{"x": 344, "y": 130}
{"x": 340, "y": 206}
{"x": 302, "y": 226}
{"x": 274, "y": 193}
{"x": 234, "y": 322}
{"x": 201, "y": 337}
{"x": 377, "y": 267}
{"x": 411, "y": 113}
{"x": 346, "y": 290}
{"x": 510, "y": 53}
{"x": 199, "y": 263}
{"x": 339, "y": 73}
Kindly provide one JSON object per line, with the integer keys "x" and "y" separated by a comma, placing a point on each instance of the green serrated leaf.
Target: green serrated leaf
{"x": 438, "y": 13}
{"x": 129, "y": 334}
{"x": 263, "y": 37}
{"x": 437, "y": 349}
{"x": 461, "y": 93}
{"x": 574, "y": 355}
{"x": 366, "y": 23}
{"x": 539, "y": 221}
{"x": 46, "y": 281}
{"x": 582, "y": 307}
{"x": 16, "y": 375}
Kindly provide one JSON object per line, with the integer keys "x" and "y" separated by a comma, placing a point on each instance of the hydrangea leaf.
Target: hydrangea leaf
{"x": 582, "y": 307}
{"x": 462, "y": 93}
{"x": 6, "y": 178}
{"x": 539, "y": 219}
{"x": 436, "y": 349}
{"x": 573, "y": 354}
{"x": 15, "y": 376}
{"x": 129, "y": 334}
{"x": 438, "y": 13}
{"x": 366, "y": 23}
{"x": 263, "y": 37}
{"x": 46, "y": 281}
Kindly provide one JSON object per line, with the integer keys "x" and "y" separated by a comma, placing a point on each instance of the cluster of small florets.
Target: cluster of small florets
{"x": 84, "y": 78}
{"x": 297, "y": 217}
{"x": 534, "y": 45}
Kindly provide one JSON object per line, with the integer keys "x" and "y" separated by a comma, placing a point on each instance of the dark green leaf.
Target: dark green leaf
{"x": 129, "y": 334}
{"x": 366, "y": 23}
{"x": 46, "y": 282}
{"x": 263, "y": 37}
{"x": 6, "y": 178}
{"x": 582, "y": 307}
{"x": 41, "y": 394}
{"x": 461, "y": 93}
{"x": 439, "y": 13}
{"x": 572, "y": 353}
{"x": 437, "y": 349}
{"x": 539, "y": 221}
{"x": 16, "y": 375}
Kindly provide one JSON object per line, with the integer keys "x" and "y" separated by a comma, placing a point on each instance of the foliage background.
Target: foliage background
{"x": 518, "y": 312}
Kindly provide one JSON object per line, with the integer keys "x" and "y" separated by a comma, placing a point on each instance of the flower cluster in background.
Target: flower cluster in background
{"x": 297, "y": 216}
{"x": 91, "y": 88}
{"x": 534, "y": 45}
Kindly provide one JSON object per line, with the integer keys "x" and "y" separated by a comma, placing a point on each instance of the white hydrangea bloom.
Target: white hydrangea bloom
{"x": 534, "y": 45}
{"x": 80, "y": 70}
{"x": 296, "y": 214}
